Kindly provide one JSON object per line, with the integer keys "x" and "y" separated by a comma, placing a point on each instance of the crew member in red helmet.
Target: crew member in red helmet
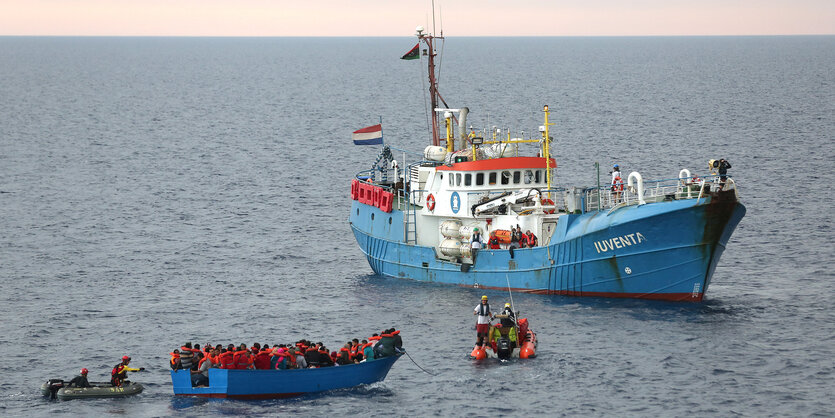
{"x": 120, "y": 371}
{"x": 80, "y": 381}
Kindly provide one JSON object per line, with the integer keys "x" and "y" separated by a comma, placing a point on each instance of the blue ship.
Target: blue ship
{"x": 266, "y": 384}
{"x": 659, "y": 239}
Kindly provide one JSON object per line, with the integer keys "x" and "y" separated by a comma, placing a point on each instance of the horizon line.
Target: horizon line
{"x": 411, "y": 36}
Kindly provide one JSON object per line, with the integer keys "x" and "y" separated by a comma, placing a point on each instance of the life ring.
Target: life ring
{"x": 430, "y": 202}
{"x": 546, "y": 202}
{"x": 617, "y": 185}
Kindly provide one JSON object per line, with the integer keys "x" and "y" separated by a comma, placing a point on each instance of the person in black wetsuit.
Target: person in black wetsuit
{"x": 80, "y": 381}
{"x": 724, "y": 165}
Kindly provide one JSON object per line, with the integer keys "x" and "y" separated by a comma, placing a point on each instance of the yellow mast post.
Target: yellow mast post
{"x": 545, "y": 148}
{"x": 450, "y": 141}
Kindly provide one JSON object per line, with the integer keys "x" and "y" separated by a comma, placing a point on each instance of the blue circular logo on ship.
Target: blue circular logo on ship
{"x": 455, "y": 202}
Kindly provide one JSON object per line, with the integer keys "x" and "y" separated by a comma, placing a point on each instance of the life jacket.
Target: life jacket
{"x": 532, "y": 240}
{"x": 523, "y": 240}
{"x": 262, "y": 360}
{"x": 242, "y": 359}
{"x": 175, "y": 358}
{"x": 117, "y": 370}
{"x": 494, "y": 243}
{"x": 483, "y": 309}
{"x": 227, "y": 360}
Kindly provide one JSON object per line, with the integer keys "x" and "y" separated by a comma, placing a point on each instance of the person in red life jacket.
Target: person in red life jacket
{"x": 175, "y": 360}
{"x": 262, "y": 359}
{"x": 617, "y": 183}
{"x": 532, "y": 242}
{"x": 523, "y": 239}
{"x": 119, "y": 374}
{"x": 227, "y": 358}
{"x": 242, "y": 358}
{"x": 344, "y": 356}
{"x": 494, "y": 242}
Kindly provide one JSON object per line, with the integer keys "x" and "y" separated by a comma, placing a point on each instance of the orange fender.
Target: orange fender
{"x": 478, "y": 353}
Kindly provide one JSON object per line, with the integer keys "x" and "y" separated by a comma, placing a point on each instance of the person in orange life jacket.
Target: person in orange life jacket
{"x": 482, "y": 327}
{"x": 291, "y": 362}
{"x": 227, "y": 358}
{"x": 262, "y": 358}
{"x": 532, "y": 242}
{"x": 365, "y": 349}
{"x": 494, "y": 242}
{"x": 188, "y": 358}
{"x": 119, "y": 373}
{"x": 368, "y": 351}
{"x": 175, "y": 360}
{"x": 200, "y": 377}
{"x": 242, "y": 358}
{"x": 356, "y": 350}
{"x": 80, "y": 381}
{"x": 344, "y": 357}
{"x": 311, "y": 356}
{"x": 325, "y": 359}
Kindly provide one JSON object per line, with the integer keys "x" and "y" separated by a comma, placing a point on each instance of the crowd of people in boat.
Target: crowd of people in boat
{"x": 299, "y": 355}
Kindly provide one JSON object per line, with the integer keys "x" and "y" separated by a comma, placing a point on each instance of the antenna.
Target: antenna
{"x": 441, "y": 18}
{"x": 433, "y": 18}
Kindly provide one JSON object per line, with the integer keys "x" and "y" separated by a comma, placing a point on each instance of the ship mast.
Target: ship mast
{"x": 428, "y": 39}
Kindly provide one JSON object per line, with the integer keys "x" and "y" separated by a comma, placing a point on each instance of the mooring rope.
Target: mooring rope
{"x": 418, "y": 365}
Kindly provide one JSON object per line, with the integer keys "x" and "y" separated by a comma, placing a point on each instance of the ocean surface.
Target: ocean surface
{"x": 155, "y": 191}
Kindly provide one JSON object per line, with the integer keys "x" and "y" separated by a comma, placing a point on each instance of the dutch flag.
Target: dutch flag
{"x": 372, "y": 135}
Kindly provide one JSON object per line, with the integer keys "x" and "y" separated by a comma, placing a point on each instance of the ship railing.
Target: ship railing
{"x": 679, "y": 188}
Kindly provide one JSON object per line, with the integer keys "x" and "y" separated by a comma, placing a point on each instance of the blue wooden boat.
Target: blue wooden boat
{"x": 266, "y": 384}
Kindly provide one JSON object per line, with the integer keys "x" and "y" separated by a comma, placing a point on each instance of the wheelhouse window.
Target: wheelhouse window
{"x": 528, "y": 176}
{"x": 452, "y": 180}
{"x": 468, "y": 179}
{"x": 517, "y": 177}
{"x": 538, "y": 176}
{"x": 505, "y": 177}
{"x": 479, "y": 179}
{"x": 458, "y": 179}
{"x": 491, "y": 179}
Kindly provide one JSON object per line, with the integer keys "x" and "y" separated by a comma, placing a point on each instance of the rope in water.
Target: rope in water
{"x": 418, "y": 365}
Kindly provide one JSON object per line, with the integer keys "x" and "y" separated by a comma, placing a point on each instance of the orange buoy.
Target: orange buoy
{"x": 478, "y": 353}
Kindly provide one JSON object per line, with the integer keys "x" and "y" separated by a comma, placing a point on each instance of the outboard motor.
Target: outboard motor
{"x": 504, "y": 348}
{"x": 54, "y": 385}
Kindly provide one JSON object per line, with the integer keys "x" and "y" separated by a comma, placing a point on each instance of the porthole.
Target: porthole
{"x": 372, "y": 216}
{"x": 389, "y": 220}
{"x": 358, "y": 211}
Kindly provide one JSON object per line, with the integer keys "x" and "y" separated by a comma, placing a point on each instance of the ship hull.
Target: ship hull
{"x": 664, "y": 250}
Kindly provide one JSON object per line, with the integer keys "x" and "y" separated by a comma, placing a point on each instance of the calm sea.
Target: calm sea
{"x": 161, "y": 190}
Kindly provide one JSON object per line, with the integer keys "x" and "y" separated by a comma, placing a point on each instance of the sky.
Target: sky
{"x": 400, "y": 17}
